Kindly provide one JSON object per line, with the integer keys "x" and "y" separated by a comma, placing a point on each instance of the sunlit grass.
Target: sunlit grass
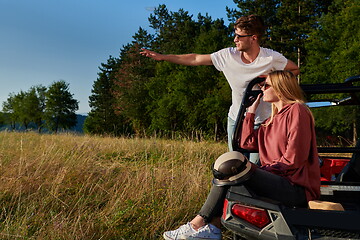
{"x": 85, "y": 187}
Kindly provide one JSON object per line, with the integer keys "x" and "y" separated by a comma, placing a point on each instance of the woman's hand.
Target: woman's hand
{"x": 255, "y": 105}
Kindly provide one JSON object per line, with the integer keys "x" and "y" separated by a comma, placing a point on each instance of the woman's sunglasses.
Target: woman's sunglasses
{"x": 264, "y": 85}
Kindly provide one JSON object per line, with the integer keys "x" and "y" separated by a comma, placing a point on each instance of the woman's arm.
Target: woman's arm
{"x": 248, "y": 138}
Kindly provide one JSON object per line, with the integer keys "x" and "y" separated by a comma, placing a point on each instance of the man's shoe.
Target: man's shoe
{"x": 182, "y": 232}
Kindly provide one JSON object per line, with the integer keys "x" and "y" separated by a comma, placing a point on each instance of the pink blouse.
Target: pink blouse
{"x": 287, "y": 147}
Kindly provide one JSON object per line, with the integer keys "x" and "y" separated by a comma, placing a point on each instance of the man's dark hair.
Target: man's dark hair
{"x": 251, "y": 24}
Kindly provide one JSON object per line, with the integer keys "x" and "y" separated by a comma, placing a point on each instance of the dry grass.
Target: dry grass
{"x": 84, "y": 187}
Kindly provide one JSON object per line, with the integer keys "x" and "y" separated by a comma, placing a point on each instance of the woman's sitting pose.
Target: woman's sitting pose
{"x": 289, "y": 171}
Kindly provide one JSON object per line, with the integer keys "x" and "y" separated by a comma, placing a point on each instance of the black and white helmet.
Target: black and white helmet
{"x": 231, "y": 168}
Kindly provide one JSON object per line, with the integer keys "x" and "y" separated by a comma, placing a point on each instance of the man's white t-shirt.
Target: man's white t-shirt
{"x": 239, "y": 74}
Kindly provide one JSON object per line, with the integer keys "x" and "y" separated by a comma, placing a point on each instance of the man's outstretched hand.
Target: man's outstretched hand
{"x": 151, "y": 54}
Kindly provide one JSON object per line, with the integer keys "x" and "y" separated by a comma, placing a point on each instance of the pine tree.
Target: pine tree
{"x": 102, "y": 118}
{"x": 131, "y": 78}
{"x": 60, "y": 107}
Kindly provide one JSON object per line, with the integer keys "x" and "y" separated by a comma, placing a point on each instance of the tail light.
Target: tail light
{"x": 226, "y": 202}
{"x": 255, "y": 216}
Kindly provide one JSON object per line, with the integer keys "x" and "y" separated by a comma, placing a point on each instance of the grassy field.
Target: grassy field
{"x": 86, "y": 187}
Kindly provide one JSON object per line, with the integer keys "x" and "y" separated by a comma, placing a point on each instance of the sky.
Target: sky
{"x": 43, "y": 41}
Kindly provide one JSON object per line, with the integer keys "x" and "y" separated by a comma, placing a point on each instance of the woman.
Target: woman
{"x": 286, "y": 142}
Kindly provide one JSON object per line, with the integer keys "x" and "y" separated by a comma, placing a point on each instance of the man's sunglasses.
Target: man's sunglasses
{"x": 242, "y": 36}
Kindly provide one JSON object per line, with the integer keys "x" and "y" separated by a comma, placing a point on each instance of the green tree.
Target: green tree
{"x": 17, "y": 108}
{"x": 34, "y": 105}
{"x": 25, "y": 108}
{"x": 333, "y": 56}
{"x": 2, "y": 118}
{"x": 9, "y": 111}
{"x": 333, "y": 48}
{"x": 265, "y": 8}
{"x": 20, "y": 109}
{"x": 102, "y": 118}
{"x": 60, "y": 107}
{"x": 132, "y": 97}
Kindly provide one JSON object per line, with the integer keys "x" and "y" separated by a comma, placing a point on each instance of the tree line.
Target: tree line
{"x": 40, "y": 107}
{"x": 137, "y": 95}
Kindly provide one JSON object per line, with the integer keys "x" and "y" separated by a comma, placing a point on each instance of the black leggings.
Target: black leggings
{"x": 262, "y": 183}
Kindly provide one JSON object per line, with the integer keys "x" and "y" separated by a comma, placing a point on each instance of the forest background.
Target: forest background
{"x": 134, "y": 95}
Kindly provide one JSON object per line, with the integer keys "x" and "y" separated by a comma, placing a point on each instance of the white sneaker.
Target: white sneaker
{"x": 208, "y": 231}
{"x": 182, "y": 232}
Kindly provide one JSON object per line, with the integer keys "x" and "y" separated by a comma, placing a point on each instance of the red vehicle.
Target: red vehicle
{"x": 250, "y": 217}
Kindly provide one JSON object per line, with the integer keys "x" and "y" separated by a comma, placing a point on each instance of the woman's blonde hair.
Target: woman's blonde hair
{"x": 287, "y": 89}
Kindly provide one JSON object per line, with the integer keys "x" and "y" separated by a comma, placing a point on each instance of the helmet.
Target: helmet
{"x": 232, "y": 168}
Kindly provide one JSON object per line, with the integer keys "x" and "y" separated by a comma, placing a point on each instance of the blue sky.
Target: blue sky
{"x": 43, "y": 41}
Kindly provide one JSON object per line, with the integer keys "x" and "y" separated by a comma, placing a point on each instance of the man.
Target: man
{"x": 240, "y": 64}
